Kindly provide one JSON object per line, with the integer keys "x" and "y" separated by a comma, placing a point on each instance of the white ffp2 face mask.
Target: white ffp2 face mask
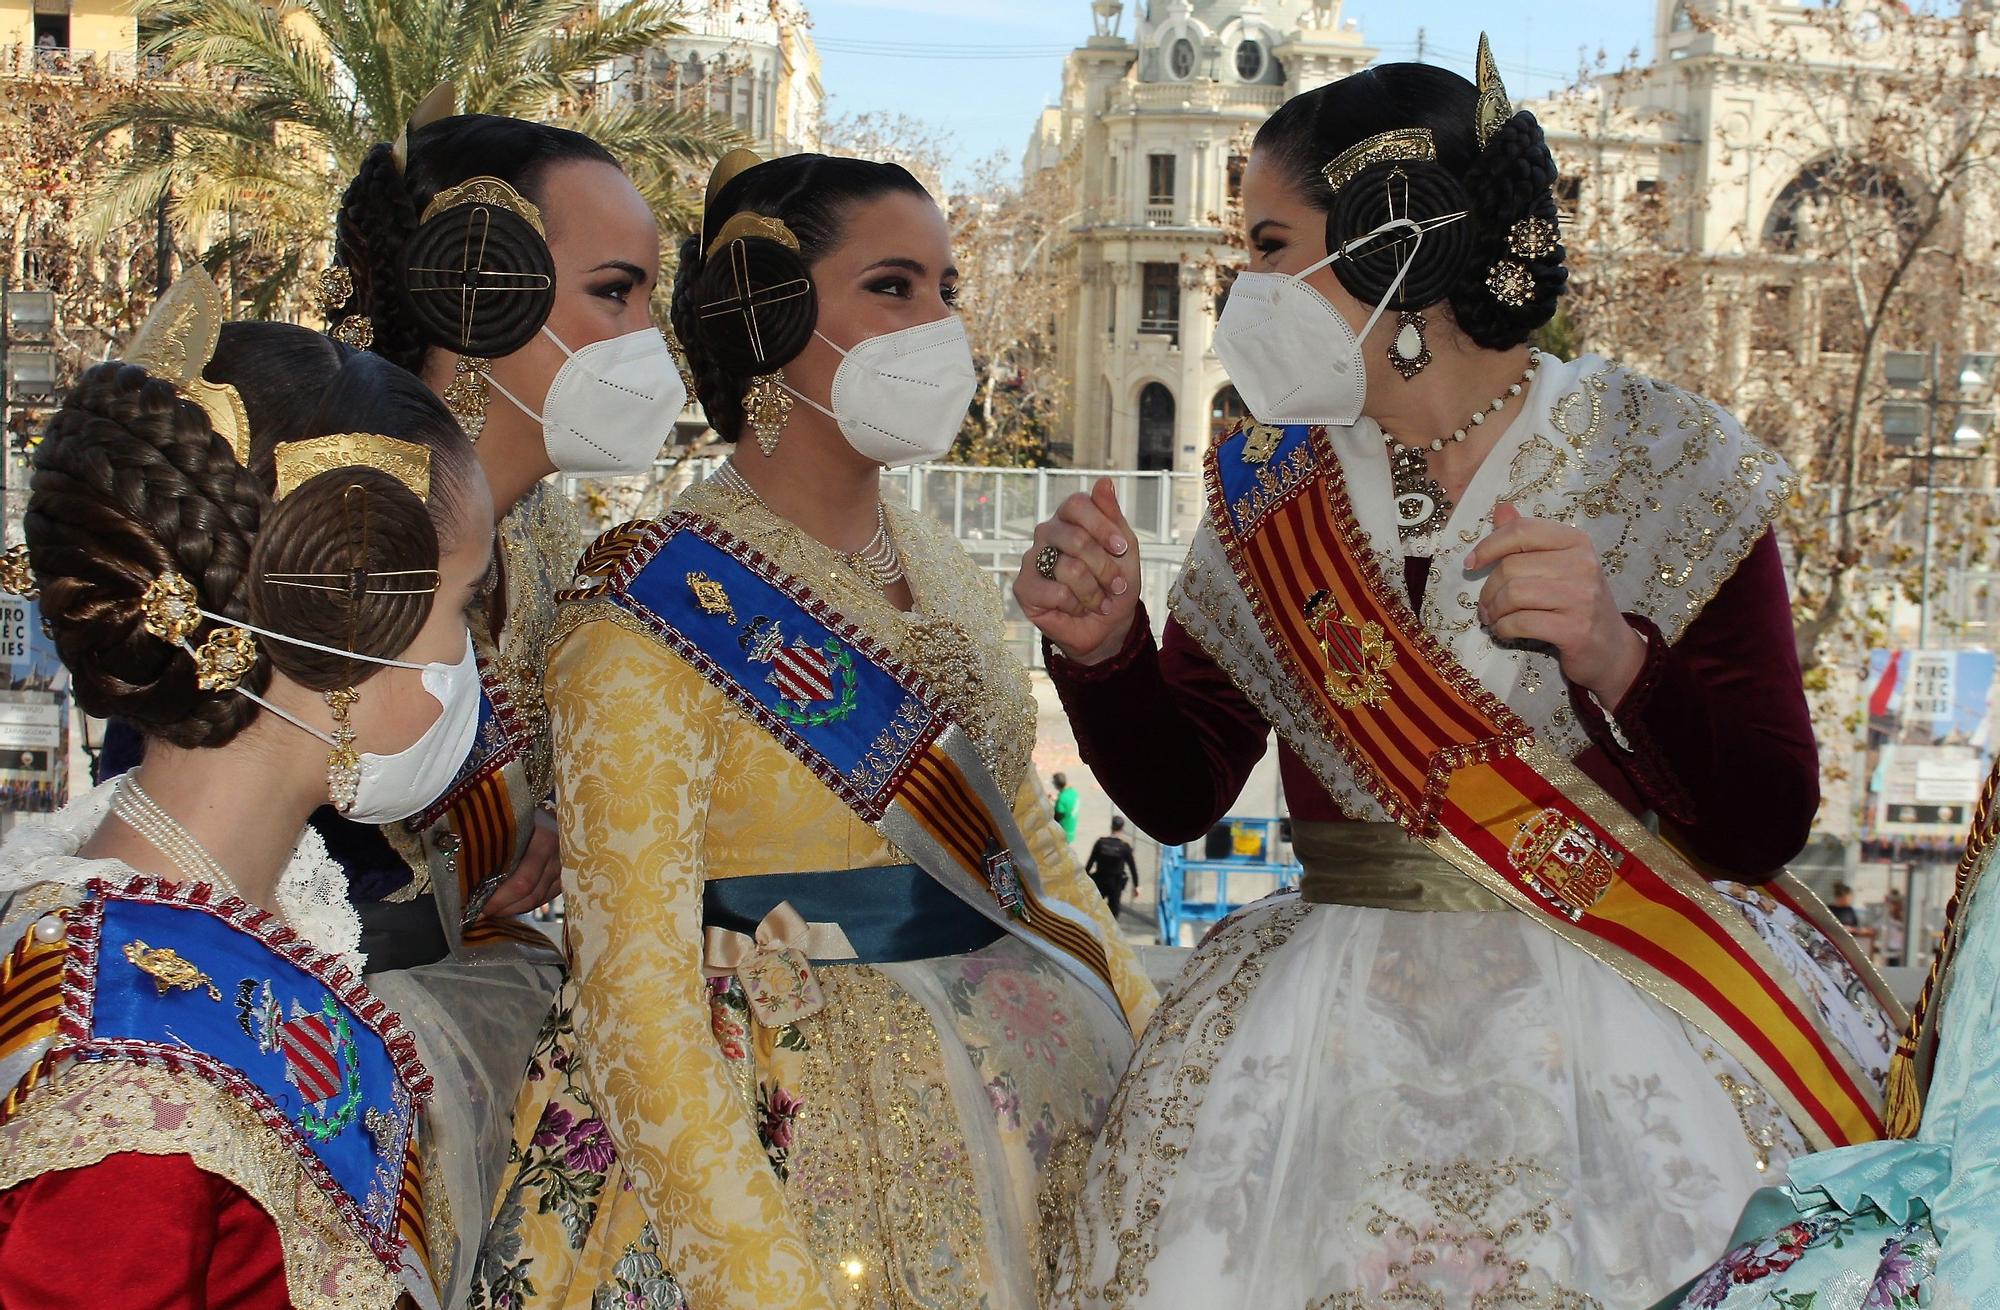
{"x": 396, "y": 786}
{"x": 611, "y": 406}
{"x": 901, "y": 398}
{"x": 1290, "y": 354}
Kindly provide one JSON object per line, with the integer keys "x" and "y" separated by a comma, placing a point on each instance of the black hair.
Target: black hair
{"x": 379, "y": 212}
{"x": 1512, "y": 178}
{"x": 812, "y": 194}
{"x": 132, "y": 481}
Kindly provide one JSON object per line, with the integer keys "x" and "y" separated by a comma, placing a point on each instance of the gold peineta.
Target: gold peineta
{"x": 1494, "y": 107}
{"x": 176, "y": 342}
{"x": 726, "y": 168}
{"x": 1404, "y": 145}
{"x": 300, "y": 461}
{"x": 440, "y": 102}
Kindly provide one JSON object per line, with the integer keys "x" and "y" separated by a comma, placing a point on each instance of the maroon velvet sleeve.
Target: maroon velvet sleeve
{"x": 1718, "y": 737}
{"x": 140, "y": 1232}
{"x": 1164, "y": 731}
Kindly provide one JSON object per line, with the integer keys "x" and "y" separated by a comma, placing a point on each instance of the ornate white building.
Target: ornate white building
{"x": 751, "y": 61}
{"x": 1150, "y": 136}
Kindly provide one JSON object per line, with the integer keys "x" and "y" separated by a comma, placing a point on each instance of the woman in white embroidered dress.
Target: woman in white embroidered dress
{"x": 1398, "y": 1088}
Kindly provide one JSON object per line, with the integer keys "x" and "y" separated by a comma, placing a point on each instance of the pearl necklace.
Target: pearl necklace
{"x": 1422, "y": 507}
{"x": 147, "y": 817}
{"x": 879, "y": 561}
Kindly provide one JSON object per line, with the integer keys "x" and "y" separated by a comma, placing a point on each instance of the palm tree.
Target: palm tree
{"x": 258, "y": 112}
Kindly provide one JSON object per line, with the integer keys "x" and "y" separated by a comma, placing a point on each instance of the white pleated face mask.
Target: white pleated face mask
{"x": 901, "y": 398}
{"x": 396, "y": 786}
{"x": 1290, "y": 354}
{"x": 611, "y": 406}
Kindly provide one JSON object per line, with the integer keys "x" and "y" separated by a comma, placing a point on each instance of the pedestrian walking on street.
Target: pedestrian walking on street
{"x": 1065, "y": 806}
{"x": 1111, "y": 865}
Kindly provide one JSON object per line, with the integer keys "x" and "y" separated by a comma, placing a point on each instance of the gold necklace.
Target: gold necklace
{"x": 879, "y": 561}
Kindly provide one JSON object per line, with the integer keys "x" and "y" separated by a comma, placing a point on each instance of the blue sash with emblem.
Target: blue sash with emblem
{"x": 865, "y": 724}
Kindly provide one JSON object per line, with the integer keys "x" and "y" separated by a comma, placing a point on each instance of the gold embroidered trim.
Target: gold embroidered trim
{"x": 879, "y": 1174}
{"x": 89, "y": 1112}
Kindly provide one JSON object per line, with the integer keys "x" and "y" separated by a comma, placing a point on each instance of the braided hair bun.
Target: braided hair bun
{"x": 1512, "y": 180}
{"x": 1391, "y": 190}
{"x": 130, "y": 482}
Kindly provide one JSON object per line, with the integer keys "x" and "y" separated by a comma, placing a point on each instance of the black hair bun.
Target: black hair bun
{"x": 479, "y": 279}
{"x": 1414, "y": 189}
{"x": 754, "y": 305}
{"x": 1512, "y": 181}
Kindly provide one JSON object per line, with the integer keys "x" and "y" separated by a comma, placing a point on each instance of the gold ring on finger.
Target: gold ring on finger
{"x": 1046, "y": 560}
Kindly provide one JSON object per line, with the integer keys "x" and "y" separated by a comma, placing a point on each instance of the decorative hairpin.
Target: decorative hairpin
{"x": 223, "y": 661}
{"x": 300, "y": 461}
{"x": 172, "y": 608}
{"x": 1403, "y": 145}
{"x": 1533, "y": 237}
{"x": 176, "y": 342}
{"x": 356, "y": 583}
{"x": 17, "y": 578}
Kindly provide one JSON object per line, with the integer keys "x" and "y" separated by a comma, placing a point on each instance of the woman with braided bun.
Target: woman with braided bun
{"x": 842, "y": 1013}
{"x": 1505, "y": 1045}
{"x": 201, "y": 1103}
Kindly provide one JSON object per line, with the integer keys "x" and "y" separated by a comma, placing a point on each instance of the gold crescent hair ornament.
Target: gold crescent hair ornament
{"x": 176, "y": 342}
{"x": 441, "y": 102}
{"x": 747, "y": 224}
{"x": 1494, "y": 107}
{"x": 486, "y": 191}
{"x": 726, "y": 168}
{"x": 300, "y": 461}
{"x": 1404, "y": 145}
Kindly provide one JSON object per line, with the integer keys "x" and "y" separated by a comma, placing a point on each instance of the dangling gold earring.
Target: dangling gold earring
{"x": 768, "y": 406}
{"x": 343, "y": 765}
{"x": 1408, "y": 350}
{"x": 466, "y": 396}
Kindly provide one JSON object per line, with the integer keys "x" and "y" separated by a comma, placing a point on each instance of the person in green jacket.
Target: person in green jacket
{"x": 1065, "y": 806}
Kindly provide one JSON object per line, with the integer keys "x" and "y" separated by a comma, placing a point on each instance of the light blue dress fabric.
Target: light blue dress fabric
{"x": 1891, "y": 1225}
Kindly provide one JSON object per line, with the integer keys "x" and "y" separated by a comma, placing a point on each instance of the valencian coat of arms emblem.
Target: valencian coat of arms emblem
{"x": 1357, "y": 655}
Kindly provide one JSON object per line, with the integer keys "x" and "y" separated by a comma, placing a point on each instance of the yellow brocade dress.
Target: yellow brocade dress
{"x": 902, "y": 1146}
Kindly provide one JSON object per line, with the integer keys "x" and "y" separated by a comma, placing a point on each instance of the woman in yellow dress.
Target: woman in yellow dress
{"x": 843, "y": 1014}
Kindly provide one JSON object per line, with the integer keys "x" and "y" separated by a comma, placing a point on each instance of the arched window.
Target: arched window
{"x": 1180, "y": 59}
{"x": 1683, "y": 20}
{"x": 1224, "y": 413}
{"x": 1156, "y": 428}
{"x": 1250, "y": 60}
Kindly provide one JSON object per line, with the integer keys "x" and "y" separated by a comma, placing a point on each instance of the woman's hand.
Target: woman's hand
{"x": 1547, "y": 586}
{"x": 1086, "y": 609}
{"x": 535, "y": 880}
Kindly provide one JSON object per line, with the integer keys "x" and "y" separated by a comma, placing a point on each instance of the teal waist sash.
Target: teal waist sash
{"x": 890, "y": 914}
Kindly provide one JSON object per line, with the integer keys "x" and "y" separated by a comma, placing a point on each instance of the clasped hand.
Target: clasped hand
{"x": 1546, "y": 585}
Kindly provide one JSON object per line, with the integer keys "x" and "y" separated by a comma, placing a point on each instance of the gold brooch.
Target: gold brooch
{"x": 172, "y": 608}
{"x": 169, "y": 970}
{"x": 1533, "y": 237}
{"x": 16, "y": 577}
{"x": 1358, "y": 655}
{"x": 1511, "y": 283}
{"x": 708, "y": 594}
{"x": 225, "y": 659}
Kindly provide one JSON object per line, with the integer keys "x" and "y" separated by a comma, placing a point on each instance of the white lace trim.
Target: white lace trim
{"x": 312, "y": 891}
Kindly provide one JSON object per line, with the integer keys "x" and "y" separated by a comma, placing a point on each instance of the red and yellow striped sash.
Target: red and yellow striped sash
{"x": 1455, "y": 767}
{"x": 31, "y": 978}
{"x": 936, "y": 793}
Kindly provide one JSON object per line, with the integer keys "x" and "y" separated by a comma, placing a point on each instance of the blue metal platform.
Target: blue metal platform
{"x": 1254, "y": 867}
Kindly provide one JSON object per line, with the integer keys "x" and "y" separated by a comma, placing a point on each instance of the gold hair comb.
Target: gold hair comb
{"x": 176, "y": 342}
{"x": 1404, "y": 145}
{"x": 300, "y": 461}
{"x": 726, "y": 168}
{"x": 1494, "y": 107}
{"x": 747, "y": 224}
{"x": 485, "y": 191}
{"x": 440, "y": 102}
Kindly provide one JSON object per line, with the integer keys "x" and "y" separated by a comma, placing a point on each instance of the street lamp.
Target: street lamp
{"x": 1910, "y": 428}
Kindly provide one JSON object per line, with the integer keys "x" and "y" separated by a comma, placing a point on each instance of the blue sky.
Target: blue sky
{"x": 982, "y": 71}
